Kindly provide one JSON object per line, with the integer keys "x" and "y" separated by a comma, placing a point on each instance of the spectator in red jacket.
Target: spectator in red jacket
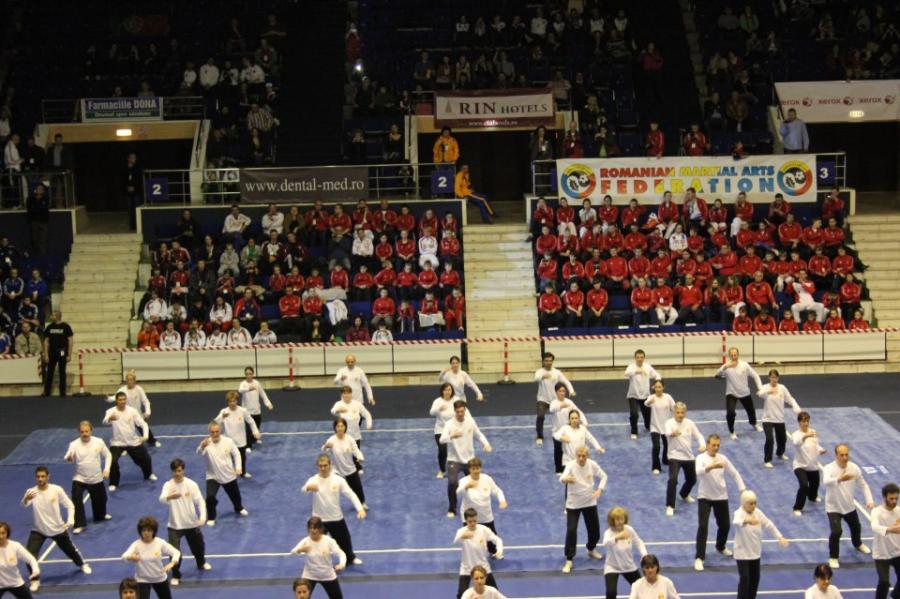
{"x": 842, "y": 265}
{"x": 834, "y": 237}
{"x": 787, "y": 324}
{"x": 384, "y": 250}
{"x": 632, "y": 214}
{"x": 834, "y": 322}
{"x": 358, "y": 331}
{"x": 664, "y": 303}
{"x": 819, "y": 269}
{"x": 655, "y": 141}
{"x": 733, "y": 294}
{"x": 789, "y": 233}
{"x": 289, "y": 309}
{"x": 778, "y": 210}
{"x": 811, "y": 324}
{"x": 851, "y": 296}
{"x": 694, "y": 210}
{"x": 363, "y": 289}
{"x": 617, "y": 272}
{"x": 566, "y": 245}
{"x": 759, "y": 296}
{"x": 743, "y": 213}
{"x": 571, "y": 144}
{"x": 763, "y": 323}
{"x": 547, "y": 271}
{"x": 690, "y": 301}
{"x": 565, "y": 217}
{"x": 685, "y": 265}
{"x": 317, "y": 222}
{"x": 638, "y": 266}
{"x": 573, "y": 271}
{"x": 695, "y": 143}
{"x": 668, "y": 213}
{"x": 746, "y": 237}
{"x": 642, "y": 305}
{"x": 573, "y": 300}
{"x": 543, "y": 216}
{"x": 455, "y": 310}
{"x": 386, "y": 277}
{"x": 714, "y": 302}
{"x": 725, "y": 262}
{"x": 340, "y": 222}
{"x": 595, "y": 266}
{"x": 405, "y": 220}
{"x": 448, "y": 280}
{"x": 338, "y": 277}
{"x": 450, "y": 249}
{"x": 635, "y": 240}
{"x": 661, "y": 266}
{"x": 546, "y": 242}
{"x": 429, "y": 221}
{"x": 858, "y": 323}
{"x": 430, "y": 312}
{"x": 742, "y": 322}
{"x": 384, "y": 220}
{"x": 550, "y": 309}
{"x": 833, "y": 206}
{"x": 718, "y": 215}
{"x": 763, "y": 236}
{"x": 427, "y": 280}
{"x": 597, "y": 301}
{"x": 749, "y": 264}
{"x": 703, "y": 273}
{"x": 405, "y": 248}
{"x": 383, "y": 309}
{"x": 362, "y": 216}
{"x": 812, "y": 237}
{"x": 608, "y": 214}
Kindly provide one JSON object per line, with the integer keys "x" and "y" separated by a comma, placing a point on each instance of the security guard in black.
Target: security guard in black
{"x": 57, "y": 352}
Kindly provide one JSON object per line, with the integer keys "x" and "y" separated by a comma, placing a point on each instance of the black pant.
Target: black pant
{"x": 341, "y": 534}
{"x": 138, "y": 454}
{"x": 834, "y": 539}
{"x": 161, "y": 589}
{"x": 466, "y": 580}
{"x": 251, "y": 440}
{"x": 776, "y": 430}
{"x": 748, "y": 578}
{"x": 332, "y": 588}
{"x": 558, "y": 456}
{"x": 612, "y": 582}
{"x": 883, "y": 568}
{"x": 690, "y": 478}
{"x": 442, "y": 453}
{"x": 453, "y": 471}
{"x": 194, "y": 540}
{"x": 62, "y": 540}
{"x": 539, "y": 421}
{"x": 97, "y": 491}
{"x": 591, "y": 522}
{"x": 151, "y": 440}
{"x": 654, "y": 439}
{"x": 636, "y": 406}
{"x": 355, "y": 484}
{"x": 723, "y": 524}
{"x": 243, "y": 452}
{"x": 491, "y": 546}
{"x": 731, "y": 403}
{"x": 809, "y": 486}
{"x": 212, "y": 489}
{"x": 20, "y": 592}
{"x": 54, "y": 359}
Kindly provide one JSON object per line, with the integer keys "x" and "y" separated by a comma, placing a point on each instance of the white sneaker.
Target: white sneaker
{"x": 798, "y": 513}
{"x": 244, "y": 512}
{"x": 249, "y": 450}
{"x": 689, "y": 499}
{"x": 768, "y": 465}
{"x": 247, "y": 475}
{"x": 86, "y": 568}
{"x": 567, "y": 567}
{"x": 175, "y": 582}
{"x": 759, "y": 428}
{"x": 157, "y": 444}
{"x": 357, "y": 561}
{"x": 77, "y": 531}
{"x": 670, "y": 511}
{"x": 633, "y": 437}
{"x": 818, "y": 500}
{"x": 451, "y": 515}
{"x": 595, "y": 555}
{"x": 538, "y": 442}
{"x": 784, "y": 458}
{"x": 153, "y": 477}
{"x": 655, "y": 472}
{"x": 107, "y": 517}
{"x": 733, "y": 437}
{"x": 726, "y": 552}
{"x": 210, "y": 523}
{"x": 207, "y": 566}
{"x": 112, "y": 488}
{"x": 834, "y": 564}
{"x": 34, "y": 586}
{"x": 864, "y": 549}
{"x": 698, "y": 565}
{"x": 360, "y": 471}
{"x": 440, "y": 475}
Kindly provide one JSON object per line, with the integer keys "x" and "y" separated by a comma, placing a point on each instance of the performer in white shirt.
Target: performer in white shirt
{"x": 736, "y": 372}
{"x": 129, "y": 432}
{"x": 356, "y": 378}
{"x": 620, "y": 540}
{"x": 303, "y": 588}
{"x": 840, "y": 479}
{"x": 223, "y": 466}
{"x": 474, "y": 539}
{"x": 237, "y": 422}
{"x": 11, "y": 555}
{"x": 326, "y": 488}
{"x": 585, "y": 481}
{"x": 681, "y": 431}
{"x": 458, "y": 435}
{"x": 345, "y": 458}
{"x": 822, "y": 588}
{"x": 137, "y": 398}
{"x": 170, "y": 338}
{"x": 187, "y": 515}
{"x": 886, "y": 542}
{"x": 662, "y": 408}
{"x": 806, "y": 463}
{"x": 147, "y": 554}
{"x": 749, "y": 522}
{"x": 442, "y": 410}
{"x": 46, "y": 502}
{"x": 319, "y": 552}
{"x": 560, "y": 408}
{"x": 547, "y": 377}
{"x": 476, "y": 490}
{"x": 92, "y": 460}
{"x": 639, "y": 375}
{"x": 803, "y": 290}
{"x": 775, "y": 395}
{"x": 479, "y": 589}
{"x": 711, "y": 467}
{"x": 252, "y": 393}
{"x": 459, "y": 379}
{"x": 575, "y": 435}
{"x": 652, "y": 585}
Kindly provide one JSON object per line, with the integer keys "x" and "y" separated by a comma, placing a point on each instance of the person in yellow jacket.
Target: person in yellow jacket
{"x": 446, "y": 148}
{"x": 463, "y": 188}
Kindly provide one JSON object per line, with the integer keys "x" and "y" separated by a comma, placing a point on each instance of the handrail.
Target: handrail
{"x": 15, "y": 187}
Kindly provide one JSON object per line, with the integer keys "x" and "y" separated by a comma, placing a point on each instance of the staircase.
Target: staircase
{"x": 500, "y": 299}
{"x": 877, "y": 238}
{"x": 98, "y": 297}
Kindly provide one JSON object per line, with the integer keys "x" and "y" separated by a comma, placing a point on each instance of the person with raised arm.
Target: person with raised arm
{"x": 711, "y": 467}
{"x": 474, "y": 539}
{"x": 680, "y": 431}
{"x": 252, "y": 393}
{"x": 92, "y": 461}
{"x": 187, "y": 515}
{"x": 326, "y": 488}
{"x": 841, "y": 478}
{"x": 662, "y": 408}
{"x": 129, "y": 433}
{"x": 775, "y": 397}
{"x": 459, "y": 379}
{"x": 585, "y": 481}
{"x": 476, "y": 490}
{"x": 547, "y": 377}
{"x": 236, "y": 422}
{"x": 560, "y": 408}
{"x": 442, "y": 410}
{"x": 147, "y": 554}
{"x": 575, "y": 435}
{"x": 11, "y": 555}
{"x": 355, "y": 377}
{"x": 806, "y": 463}
{"x": 353, "y": 411}
{"x": 620, "y": 540}
{"x": 459, "y": 436}
{"x": 736, "y": 373}
{"x": 319, "y": 552}
{"x": 639, "y": 373}
{"x": 749, "y": 522}
{"x": 223, "y": 466}
{"x": 137, "y": 399}
{"x": 345, "y": 455}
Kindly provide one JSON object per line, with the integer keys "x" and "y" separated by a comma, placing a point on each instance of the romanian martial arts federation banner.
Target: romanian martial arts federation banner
{"x": 290, "y": 184}
{"x": 121, "y": 109}
{"x": 493, "y": 108}
{"x": 761, "y": 177}
{"x": 841, "y": 101}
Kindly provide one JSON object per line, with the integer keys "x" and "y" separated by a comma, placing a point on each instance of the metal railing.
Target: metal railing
{"x": 543, "y": 172}
{"x": 15, "y": 187}
{"x": 222, "y": 185}
{"x": 175, "y": 108}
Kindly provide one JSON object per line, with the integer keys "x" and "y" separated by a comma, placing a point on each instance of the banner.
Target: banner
{"x": 121, "y": 109}
{"x": 293, "y": 184}
{"x": 760, "y": 177}
{"x": 493, "y": 108}
{"x": 841, "y": 101}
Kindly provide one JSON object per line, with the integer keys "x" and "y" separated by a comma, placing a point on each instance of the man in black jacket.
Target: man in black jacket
{"x": 132, "y": 189}
{"x": 38, "y": 210}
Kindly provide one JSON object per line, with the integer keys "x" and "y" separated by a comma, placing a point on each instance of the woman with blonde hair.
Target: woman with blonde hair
{"x": 620, "y": 540}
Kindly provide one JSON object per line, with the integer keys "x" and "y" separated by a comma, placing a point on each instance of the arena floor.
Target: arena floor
{"x": 406, "y": 541}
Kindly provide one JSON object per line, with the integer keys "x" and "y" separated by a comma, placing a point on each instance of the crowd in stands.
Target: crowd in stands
{"x": 24, "y": 302}
{"x": 733, "y": 267}
{"x": 319, "y": 274}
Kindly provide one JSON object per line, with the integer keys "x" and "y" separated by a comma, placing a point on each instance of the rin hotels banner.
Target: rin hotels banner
{"x": 841, "y": 101}
{"x": 494, "y": 108}
{"x": 761, "y": 177}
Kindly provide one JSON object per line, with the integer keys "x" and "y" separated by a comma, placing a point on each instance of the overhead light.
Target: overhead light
{"x": 123, "y": 132}
{"x": 856, "y": 114}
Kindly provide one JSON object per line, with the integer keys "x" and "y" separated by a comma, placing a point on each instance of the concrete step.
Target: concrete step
{"x": 494, "y": 236}
{"x": 878, "y": 295}
{"x": 521, "y": 264}
{"x": 118, "y": 248}
{"x": 881, "y": 275}
{"x": 107, "y": 237}
{"x": 872, "y": 256}
{"x": 518, "y": 330}
{"x": 503, "y": 259}
{"x": 877, "y": 244}
{"x": 880, "y": 284}
{"x": 495, "y": 228}
{"x": 494, "y": 246}
{"x": 887, "y": 314}
{"x": 513, "y": 302}
{"x": 104, "y": 336}
{"x": 863, "y": 219}
{"x": 884, "y": 265}
{"x": 892, "y": 302}
{"x": 87, "y": 303}
{"x": 89, "y": 277}
{"x": 83, "y": 317}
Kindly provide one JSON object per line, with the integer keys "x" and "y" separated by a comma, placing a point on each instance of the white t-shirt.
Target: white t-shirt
{"x": 662, "y": 408}
{"x": 461, "y": 449}
{"x": 318, "y": 561}
{"x": 442, "y": 410}
{"x": 661, "y": 589}
{"x": 326, "y": 501}
{"x": 561, "y": 410}
{"x": 357, "y": 380}
{"x": 474, "y": 550}
{"x": 832, "y": 592}
{"x": 46, "y": 509}
{"x": 352, "y": 411}
{"x": 89, "y": 459}
{"x": 223, "y": 460}
{"x": 839, "y": 495}
{"x": 712, "y": 484}
{"x": 588, "y": 479}
{"x": 479, "y": 497}
{"x": 546, "y": 387}
{"x": 187, "y": 511}
{"x": 807, "y": 452}
{"x": 680, "y": 446}
{"x": 150, "y": 567}
{"x": 736, "y": 378}
{"x": 748, "y": 538}
{"x": 342, "y": 452}
{"x": 489, "y": 593}
{"x": 273, "y": 221}
{"x": 124, "y": 427}
{"x": 620, "y": 554}
{"x": 459, "y": 381}
{"x": 577, "y": 437}
{"x": 639, "y": 380}
{"x": 10, "y": 556}
{"x": 251, "y": 394}
{"x": 775, "y": 400}
{"x": 234, "y": 424}
{"x": 884, "y": 545}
